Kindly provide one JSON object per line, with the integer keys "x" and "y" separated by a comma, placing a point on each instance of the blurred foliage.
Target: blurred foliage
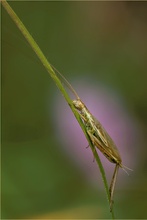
{"x": 104, "y": 39}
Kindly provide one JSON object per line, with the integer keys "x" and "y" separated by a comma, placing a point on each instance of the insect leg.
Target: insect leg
{"x": 92, "y": 140}
{"x": 112, "y": 185}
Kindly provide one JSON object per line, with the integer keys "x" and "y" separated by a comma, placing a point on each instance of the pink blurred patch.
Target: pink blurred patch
{"x": 110, "y": 109}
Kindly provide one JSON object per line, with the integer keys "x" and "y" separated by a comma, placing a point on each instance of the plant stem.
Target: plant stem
{"x": 51, "y": 72}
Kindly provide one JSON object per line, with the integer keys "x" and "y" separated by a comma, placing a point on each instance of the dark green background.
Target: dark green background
{"x": 107, "y": 39}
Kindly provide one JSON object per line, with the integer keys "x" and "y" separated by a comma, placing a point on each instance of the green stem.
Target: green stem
{"x": 51, "y": 72}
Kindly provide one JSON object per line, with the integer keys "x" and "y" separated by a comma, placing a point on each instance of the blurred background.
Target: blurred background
{"x": 101, "y": 48}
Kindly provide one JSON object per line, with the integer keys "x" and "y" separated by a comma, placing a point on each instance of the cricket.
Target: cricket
{"x": 99, "y": 137}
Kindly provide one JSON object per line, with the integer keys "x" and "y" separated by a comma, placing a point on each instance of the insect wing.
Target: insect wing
{"x": 104, "y": 142}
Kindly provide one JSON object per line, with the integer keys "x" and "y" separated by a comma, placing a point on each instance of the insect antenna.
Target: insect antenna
{"x": 66, "y": 82}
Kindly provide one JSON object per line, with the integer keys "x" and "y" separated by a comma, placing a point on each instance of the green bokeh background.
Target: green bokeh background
{"x": 106, "y": 39}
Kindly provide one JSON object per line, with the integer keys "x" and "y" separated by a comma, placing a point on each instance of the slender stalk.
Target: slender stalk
{"x": 51, "y": 72}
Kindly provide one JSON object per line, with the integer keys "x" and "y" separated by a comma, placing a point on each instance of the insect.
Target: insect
{"x": 99, "y": 137}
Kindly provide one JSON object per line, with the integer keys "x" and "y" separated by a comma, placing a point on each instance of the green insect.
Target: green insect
{"x": 99, "y": 137}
